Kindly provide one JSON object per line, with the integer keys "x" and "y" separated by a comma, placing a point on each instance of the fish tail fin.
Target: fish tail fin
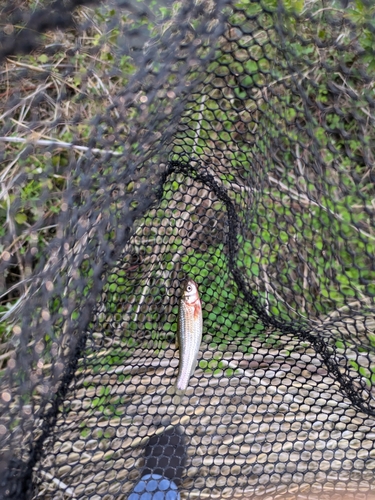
{"x": 193, "y": 369}
{"x": 180, "y": 392}
{"x": 179, "y": 389}
{"x": 178, "y": 395}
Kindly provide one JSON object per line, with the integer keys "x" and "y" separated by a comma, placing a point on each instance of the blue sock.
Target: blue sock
{"x": 154, "y": 487}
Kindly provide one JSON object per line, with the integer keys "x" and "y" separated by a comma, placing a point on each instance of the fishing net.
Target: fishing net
{"x": 230, "y": 142}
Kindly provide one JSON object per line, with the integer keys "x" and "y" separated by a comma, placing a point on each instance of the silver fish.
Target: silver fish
{"x": 189, "y": 335}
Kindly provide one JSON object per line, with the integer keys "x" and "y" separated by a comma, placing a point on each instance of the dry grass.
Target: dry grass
{"x": 50, "y": 101}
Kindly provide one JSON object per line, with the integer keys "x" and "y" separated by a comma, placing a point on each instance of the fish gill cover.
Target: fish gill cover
{"x": 228, "y": 142}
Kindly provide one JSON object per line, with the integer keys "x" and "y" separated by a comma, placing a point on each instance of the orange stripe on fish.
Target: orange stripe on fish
{"x": 197, "y": 309}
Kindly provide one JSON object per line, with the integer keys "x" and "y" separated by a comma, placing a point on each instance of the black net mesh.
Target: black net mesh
{"x": 228, "y": 142}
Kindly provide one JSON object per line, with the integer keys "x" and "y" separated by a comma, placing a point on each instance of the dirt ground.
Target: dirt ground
{"x": 276, "y": 427}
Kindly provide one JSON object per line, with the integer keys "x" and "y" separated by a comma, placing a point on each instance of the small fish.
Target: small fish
{"x": 189, "y": 335}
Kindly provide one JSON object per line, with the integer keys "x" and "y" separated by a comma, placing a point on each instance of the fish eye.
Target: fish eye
{"x": 189, "y": 288}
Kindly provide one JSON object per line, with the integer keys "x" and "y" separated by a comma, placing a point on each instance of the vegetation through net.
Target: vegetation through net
{"x": 228, "y": 142}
